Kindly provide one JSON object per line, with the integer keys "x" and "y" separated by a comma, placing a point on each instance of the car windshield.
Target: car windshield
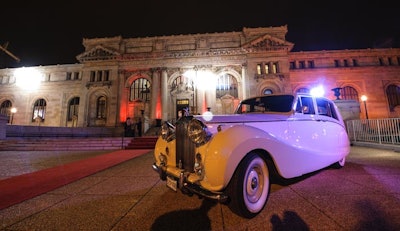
{"x": 265, "y": 104}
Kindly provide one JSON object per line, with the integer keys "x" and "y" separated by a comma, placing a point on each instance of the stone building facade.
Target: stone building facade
{"x": 157, "y": 78}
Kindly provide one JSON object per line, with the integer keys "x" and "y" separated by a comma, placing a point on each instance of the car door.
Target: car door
{"x": 303, "y": 129}
{"x": 332, "y": 131}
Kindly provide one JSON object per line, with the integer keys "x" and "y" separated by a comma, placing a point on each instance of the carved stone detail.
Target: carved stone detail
{"x": 98, "y": 53}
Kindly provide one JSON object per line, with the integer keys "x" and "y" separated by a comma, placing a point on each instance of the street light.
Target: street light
{"x": 364, "y": 99}
{"x": 13, "y": 111}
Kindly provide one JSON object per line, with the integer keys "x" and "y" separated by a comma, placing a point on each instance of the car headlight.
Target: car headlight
{"x": 163, "y": 159}
{"x": 198, "y": 132}
{"x": 167, "y": 131}
{"x": 199, "y": 166}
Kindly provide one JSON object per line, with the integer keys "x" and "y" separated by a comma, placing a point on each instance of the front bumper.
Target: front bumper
{"x": 190, "y": 188}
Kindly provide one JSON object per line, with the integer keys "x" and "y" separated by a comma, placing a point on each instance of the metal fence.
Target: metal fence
{"x": 379, "y": 131}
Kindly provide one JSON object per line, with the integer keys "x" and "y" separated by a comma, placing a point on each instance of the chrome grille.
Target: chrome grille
{"x": 185, "y": 149}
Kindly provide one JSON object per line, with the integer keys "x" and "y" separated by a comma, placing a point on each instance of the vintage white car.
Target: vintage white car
{"x": 233, "y": 158}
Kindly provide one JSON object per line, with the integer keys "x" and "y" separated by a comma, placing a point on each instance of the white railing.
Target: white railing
{"x": 380, "y": 131}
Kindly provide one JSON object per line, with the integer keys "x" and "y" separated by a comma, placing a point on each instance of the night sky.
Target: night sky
{"x": 44, "y": 34}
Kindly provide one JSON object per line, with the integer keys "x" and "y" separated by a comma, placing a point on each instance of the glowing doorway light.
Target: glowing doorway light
{"x": 190, "y": 74}
{"x": 28, "y": 78}
{"x": 13, "y": 111}
{"x": 204, "y": 80}
{"x": 317, "y": 91}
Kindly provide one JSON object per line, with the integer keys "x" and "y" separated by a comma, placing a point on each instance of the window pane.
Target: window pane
{"x": 393, "y": 95}
{"x": 259, "y": 69}
{"x": 73, "y": 108}
{"x": 39, "y": 110}
{"x": 5, "y": 107}
{"x": 307, "y": 105}
{"x": 226, "y": 85}
{"x": 349, "y": 93}
{"x": 267, "y": 91}
{"x": 101, "y": 107}
{"x": 140, "y": 90}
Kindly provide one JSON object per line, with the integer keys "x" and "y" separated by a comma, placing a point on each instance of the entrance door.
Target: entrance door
{"x": 181, "y": 104}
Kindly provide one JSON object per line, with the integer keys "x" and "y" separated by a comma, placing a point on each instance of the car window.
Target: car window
{"x": 265, "y": 104}
{"x": 326, "y": 108}
{"x": 305, "y": 105}
{"x": 323, "y": 107}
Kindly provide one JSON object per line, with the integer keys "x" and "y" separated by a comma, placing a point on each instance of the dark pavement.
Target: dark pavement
{"x": 364, "y": 195}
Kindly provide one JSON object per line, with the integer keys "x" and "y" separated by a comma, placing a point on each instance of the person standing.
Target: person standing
{"x": 139, "y": 127}
{"x": 128, "y": 127}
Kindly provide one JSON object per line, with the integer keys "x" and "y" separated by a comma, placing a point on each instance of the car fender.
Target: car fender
{"x": 227, "y": 148}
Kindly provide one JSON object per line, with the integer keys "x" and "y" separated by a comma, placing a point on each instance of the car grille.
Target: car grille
{"x": 185, "y": 148}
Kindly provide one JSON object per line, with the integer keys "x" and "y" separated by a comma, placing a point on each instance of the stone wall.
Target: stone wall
{"x": 3, "y": 124}
{"x": 349, "y": 109}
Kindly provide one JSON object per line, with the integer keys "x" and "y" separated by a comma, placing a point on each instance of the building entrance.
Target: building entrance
{"x": 181, "y": 106}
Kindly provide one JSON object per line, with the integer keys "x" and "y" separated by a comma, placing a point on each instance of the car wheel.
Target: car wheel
{"x": 340, "y": 163}
{"x": 249, "y": 187}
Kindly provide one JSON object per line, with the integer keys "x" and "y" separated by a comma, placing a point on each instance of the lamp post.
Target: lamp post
{"x": 13, "y": 111}
{"x": 364, "y": 99}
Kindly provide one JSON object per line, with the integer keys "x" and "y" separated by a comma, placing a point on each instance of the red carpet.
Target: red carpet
{"x": 19, "y": 188}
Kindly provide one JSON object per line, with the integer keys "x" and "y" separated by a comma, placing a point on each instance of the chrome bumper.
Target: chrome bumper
{"x": 189, "y": 188}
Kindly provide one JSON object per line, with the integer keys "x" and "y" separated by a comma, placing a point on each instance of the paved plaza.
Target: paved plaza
{"x": 364, "y": 195}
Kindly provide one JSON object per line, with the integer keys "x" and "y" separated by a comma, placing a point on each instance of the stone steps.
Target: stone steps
{"x": 144, "y": 142}
{"x": 64, "y": 144}
{"x": 67, "y": 144}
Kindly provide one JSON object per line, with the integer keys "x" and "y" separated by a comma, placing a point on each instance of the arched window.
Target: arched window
{"x": 73, "y": 108}
{"x": 39, "y": 110}
{"x": 303, "y": 90}
{"x": 101, "y": 107}
{"x": 349, "y": 93}
{"x": 140, "y": 90}
{"x": 267, "y": 91}
{"x": 227, "y": 85}
{"x": 182, "y": 83}
{"x": 393, "y": 95}
{"x": 5, "y": 109}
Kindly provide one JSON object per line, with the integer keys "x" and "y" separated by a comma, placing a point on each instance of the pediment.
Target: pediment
{"x": 98, "y": 53}
{"x": 267, "y": 42}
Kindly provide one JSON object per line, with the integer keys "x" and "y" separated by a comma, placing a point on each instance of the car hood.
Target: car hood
{"x": 242, "y": 118}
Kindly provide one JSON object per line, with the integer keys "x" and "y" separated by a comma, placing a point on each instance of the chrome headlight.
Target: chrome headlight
{"x": 163, "y": 159}
{"x": 198, "y": 165}
{"x": 198, "y": 132}
{"x": 168, "y": 131}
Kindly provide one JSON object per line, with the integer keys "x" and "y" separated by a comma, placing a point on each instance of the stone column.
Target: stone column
{"x": 244, "y": 83}
{"x": 270, "y": 68}
{"x": 164, "y": 94}
{"x": 155, "y": 91}
{"x": 201, "y": 101}
{"x": 210, "y": 97}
